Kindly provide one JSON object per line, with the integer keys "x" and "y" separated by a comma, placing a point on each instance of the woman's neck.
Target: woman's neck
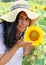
{"x": 17, "y": 34}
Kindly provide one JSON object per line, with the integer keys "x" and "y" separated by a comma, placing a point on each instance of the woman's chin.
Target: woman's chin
{"x": 22, "y": 30}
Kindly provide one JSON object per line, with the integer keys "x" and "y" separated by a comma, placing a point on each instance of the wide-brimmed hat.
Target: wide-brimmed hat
{"x": 16, "y": 8}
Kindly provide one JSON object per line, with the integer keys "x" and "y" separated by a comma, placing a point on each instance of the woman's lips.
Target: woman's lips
{"x": 22, "y": 26}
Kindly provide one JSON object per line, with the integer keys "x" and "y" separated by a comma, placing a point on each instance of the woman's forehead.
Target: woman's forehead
{"x": 22, "y": 13}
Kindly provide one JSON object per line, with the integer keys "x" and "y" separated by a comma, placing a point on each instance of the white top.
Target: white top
{"x": 2, "y": 46}
{"x": 17, "y": 57}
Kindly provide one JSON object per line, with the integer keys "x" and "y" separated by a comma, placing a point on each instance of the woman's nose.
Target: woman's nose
{"x": 24, "y": 21}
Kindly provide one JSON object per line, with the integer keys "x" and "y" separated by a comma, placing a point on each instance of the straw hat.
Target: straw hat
{"x": 17, "y": 7}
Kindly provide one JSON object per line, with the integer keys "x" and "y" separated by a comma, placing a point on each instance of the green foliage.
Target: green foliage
{"x": 4, "y": 8}
{"x": 39, "y": 54}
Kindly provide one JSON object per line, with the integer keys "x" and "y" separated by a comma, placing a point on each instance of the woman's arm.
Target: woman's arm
{"x": 8, "y": 55}
{"x": 1, "y": 55}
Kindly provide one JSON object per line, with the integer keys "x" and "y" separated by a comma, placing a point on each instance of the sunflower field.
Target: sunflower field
{"x": 38, "y": 31}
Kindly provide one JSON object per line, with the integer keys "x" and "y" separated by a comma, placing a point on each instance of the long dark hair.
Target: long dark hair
{"x": 10, "y": 32}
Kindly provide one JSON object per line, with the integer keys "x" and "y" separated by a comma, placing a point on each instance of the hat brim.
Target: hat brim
{"x": 11, "y": 16}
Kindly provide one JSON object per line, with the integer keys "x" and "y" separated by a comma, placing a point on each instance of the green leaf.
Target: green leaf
{"x": 39, "y": 62}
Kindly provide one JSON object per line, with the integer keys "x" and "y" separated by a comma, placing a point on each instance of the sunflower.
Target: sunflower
{"x": 33, "y": 10}
{"x": 34, "y": 34}
{"x": 44, "y": 8}
{"x": 37, "y": 6}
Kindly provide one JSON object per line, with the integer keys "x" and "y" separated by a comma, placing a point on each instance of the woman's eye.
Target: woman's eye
{"x": 20, "y": 18}
{"x": 27, "y": 19}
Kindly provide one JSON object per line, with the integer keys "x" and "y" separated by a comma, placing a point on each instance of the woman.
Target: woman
{"x": 21, "y": 18}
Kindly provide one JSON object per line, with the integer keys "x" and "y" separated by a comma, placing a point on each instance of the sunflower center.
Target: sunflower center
{"x": 34, "y": 35}
{"x": 45, "y": 8}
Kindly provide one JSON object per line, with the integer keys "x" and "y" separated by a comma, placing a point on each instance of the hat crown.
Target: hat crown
{"x": 19, "y": 4}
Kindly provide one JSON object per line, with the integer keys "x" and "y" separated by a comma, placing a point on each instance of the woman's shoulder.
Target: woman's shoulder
{"x": 2, "y": 46}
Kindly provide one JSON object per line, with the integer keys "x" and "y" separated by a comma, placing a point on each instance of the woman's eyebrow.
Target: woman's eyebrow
{"x": 20, "y": 16}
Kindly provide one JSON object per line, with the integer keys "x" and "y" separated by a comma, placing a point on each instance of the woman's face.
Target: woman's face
{"x": 23, "y": 22}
